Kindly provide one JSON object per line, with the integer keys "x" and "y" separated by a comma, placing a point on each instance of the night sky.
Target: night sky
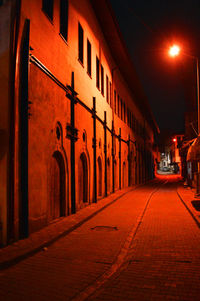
{"x": 149, "y": 27}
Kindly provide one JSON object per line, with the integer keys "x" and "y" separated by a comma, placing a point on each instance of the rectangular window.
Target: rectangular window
{"x": 118, "y": 105}
{"x": 124, "y": 112}
{"x": 127, "y": 116}
{"x": 97, "y": 73}
{"x": 110, "y": 94}
{"x": 102, "y": 80}
{"x": 89, "y": 58}
{"x": 64, "y": 18}
{"x": 47, "y": 7}
{"x": 115, "y": 102}
{"x": 80, "y": 43}
{"x": 107, "y": 89}
{"x": 133, "y": 123}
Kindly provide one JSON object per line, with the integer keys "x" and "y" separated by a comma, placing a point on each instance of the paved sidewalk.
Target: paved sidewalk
{"x": 39, "y": 240}
{"x": 190, "y": 202}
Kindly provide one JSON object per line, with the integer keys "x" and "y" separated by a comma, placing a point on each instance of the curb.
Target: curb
{"x": 13, "y": 261}
{"x": 188, "y": 209}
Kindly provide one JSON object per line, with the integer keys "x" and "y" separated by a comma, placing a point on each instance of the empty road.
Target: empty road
{"x": 144, "y": 246}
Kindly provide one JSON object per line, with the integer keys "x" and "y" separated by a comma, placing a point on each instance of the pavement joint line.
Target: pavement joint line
{"x": 188, "y": 209}
{"x": 11, "y": 262}
{"x": 120, "y": 261}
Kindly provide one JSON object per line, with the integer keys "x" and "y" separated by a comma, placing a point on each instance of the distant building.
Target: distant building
{"x": 75, "y": 124}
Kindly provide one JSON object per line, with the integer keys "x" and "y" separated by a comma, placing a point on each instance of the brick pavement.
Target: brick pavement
{"x": 164, "y": 261}
{"x": 71, "y": 265}
{"x": 78, "y": 259}
{"x": 37, "y": 241}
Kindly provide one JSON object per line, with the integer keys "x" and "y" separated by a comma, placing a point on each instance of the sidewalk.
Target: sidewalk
{"x": 39, "y": 240}
{"x": 191, "y": 203}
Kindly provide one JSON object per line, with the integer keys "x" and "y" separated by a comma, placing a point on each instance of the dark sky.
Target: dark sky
{"x": 149, "y": 27}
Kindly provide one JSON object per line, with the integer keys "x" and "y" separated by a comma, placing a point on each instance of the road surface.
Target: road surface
{"x": 145, "y": 246}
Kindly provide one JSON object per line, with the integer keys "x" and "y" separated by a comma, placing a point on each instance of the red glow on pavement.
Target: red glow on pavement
{"x": 169, "y": 177}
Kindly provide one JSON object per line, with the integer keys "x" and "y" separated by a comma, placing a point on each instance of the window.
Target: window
{"x": 64, "y": 18}
{"x": 115, "y": 102}
{"x": 102, "y": 80}
{"x": 110, "y": 94}
{"x": 107, "y": 89}
{"x": 89, "y": 60}
{"x": 47, "y": 7}
{"x": 124, "y": 112}
{"x": 121, "y": 109}
{"x": 118, "y": 105}
{"x": 132, "y": 120}
{"x": 133, "y": 123}
{"x": 97, "y": 73}
{"x": 80, "y": 43}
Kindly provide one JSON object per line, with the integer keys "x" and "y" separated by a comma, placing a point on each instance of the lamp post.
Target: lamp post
{"x": 173, "y": 52}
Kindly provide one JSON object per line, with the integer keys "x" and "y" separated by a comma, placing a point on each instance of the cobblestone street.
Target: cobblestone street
{"x": 144, "y": 246}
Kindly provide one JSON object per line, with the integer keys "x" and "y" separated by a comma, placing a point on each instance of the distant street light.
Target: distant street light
{"x": 173, "y": 52}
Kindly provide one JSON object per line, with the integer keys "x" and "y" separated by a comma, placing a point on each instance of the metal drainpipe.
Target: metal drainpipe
{"x": 113, "y": 159}
{"x": 129, "y": 161}
{"x": 73, "y": 188}
{"x": 105, "y": 152}
{"x": 120, "y": 185}
{"x": 14, "y": 40}
{"x": 94, "y": 145}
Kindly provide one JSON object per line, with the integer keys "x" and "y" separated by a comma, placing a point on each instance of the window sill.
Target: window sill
{"x": 60, "y": 34}
{"x": 89, "y": 74}
{"x": 81, "y": 63}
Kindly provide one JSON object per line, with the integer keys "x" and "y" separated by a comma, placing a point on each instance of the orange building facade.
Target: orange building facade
{"x": 79, "y": 125}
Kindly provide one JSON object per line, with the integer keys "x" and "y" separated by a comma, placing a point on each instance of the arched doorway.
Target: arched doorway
{"x": 99, "y": 177}
{"x": 124, "y": 175}
{"x": 83, "y": 179}
{"x": 57, "y": 204}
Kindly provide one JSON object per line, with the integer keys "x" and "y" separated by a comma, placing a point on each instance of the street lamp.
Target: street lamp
{"x": 173, "y": 52}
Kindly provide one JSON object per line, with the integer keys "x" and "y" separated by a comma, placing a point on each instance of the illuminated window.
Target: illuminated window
{"x": 80, "y": 43}
{"x": 47, "y": 7}
{"x": 64, "y": 18}
{"x": 97, "y": 73}
{"x": 89, "y": 60}
{"x": 107, "y": 89}
{"x": 102, "y": 80}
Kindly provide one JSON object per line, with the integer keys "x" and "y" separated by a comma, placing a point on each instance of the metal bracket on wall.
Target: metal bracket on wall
{"x": 71, "y": 133}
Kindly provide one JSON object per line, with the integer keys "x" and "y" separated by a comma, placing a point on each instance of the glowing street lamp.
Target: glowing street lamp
{"x": 173, "y": 52}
